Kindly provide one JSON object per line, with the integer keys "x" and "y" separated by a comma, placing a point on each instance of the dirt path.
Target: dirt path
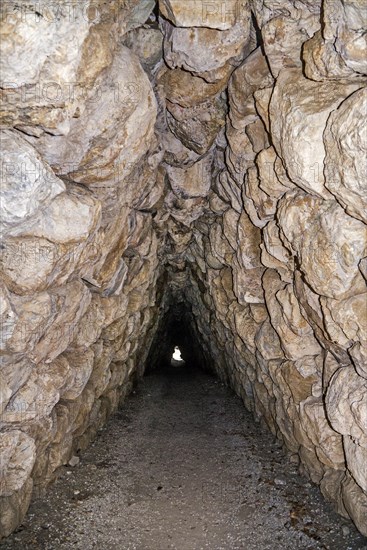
{"x": 183, "y": 466}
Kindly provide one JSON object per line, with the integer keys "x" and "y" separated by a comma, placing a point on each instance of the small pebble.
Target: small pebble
{"x": 74, "y": 461}
{"x": 280, "y": 481}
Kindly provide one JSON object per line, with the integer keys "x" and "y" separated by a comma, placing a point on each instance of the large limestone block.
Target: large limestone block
{"x": 268, "y": 343}
{"x": 27, "y": 182}
{"x": 253, "y": 74}
{"x": 32, "y": 315}
{"x": 81, "y": 366}
{"x": 147, "y": 44}
{"x": 322, "y": 61}
{"x": 345, "y": 140}
{"x": 219, "y": 14}
{"x": 274, "y": 253}
{"x": 17, "y": 458}
{"x": 299, "y": 109}
{"x": 296, "y": 335}
{"x": 175, "y": 153}
{"x": 70, "y": 302}
{"x": 356, "y": 458}
{"x": 259, "y": 205}
{"x": 197, "y": 127}
{"x": 39, "y": 395}
{"x": 344, "y": 23}
{"x": 194, "y": 181}
{"x": 346, "y": 406}
{"x": 246, "y": 328}
{"x": 187, "y": 90}
{"x": 248, "y": 239}
{"x": 355, "y": 502}
{"x": 327, "y": 242}
{"x": 196, "y": 49}
{"x": 346, "y": 320}
{"x": 47, "y": 82}
{"x": 48, "y": 248}
{"x": 271, "y": 181}
{"x": 328, "y": 444}
{"x": 247, "y": 284}
{"x": 40, "y": 76}
{"x": 283, "y": 37}
{"x": 114, "y": 130}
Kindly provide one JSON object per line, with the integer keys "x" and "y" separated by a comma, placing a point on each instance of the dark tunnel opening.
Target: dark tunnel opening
{"x": 176, "y": 330}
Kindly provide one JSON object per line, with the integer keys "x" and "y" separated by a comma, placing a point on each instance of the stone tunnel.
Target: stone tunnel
{"x": 192, "y": 173}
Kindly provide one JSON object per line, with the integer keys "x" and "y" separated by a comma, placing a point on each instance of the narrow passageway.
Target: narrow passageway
{"x": 183, "y": 466}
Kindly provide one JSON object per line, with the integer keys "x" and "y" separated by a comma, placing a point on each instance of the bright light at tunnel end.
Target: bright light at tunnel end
{"x": 177, "y": 354}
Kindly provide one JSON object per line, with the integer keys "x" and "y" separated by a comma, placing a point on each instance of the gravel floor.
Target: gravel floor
{"x": 183, "y": 466}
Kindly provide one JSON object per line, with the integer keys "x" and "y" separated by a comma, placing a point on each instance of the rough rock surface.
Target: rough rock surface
{"x": 156, "y": 155}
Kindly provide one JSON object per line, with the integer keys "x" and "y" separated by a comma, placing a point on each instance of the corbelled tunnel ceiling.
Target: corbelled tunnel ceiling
{"x": 193, "y": 173}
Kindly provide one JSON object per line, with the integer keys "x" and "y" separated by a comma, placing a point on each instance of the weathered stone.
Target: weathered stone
{"x": 191, "y": 182}
{"x": 296, "y": 336}
{"x": 95, "y": 149}
{"x": 187, "y": 90}
{"x": 343, "y": 26}
{"x": 327, "y": 242}
{"x": 199, "y": 13}
{"x": 355, "y": 502}
{"x": 147, "y": 44}
{"x": 181, "y": 47}
{"x": 345, "y": 145}
{"x": 27, "y": 182}
{"x": 299, "y": 110}
{"x": 345, "y": 402}
{"x": 197, "y": 127}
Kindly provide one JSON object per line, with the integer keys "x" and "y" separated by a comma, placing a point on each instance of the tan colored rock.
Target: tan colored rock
{"x": 247, "y": 284}
{"x": 299, "y": 110}
{"x": 32, "y": 316}
{"x": 175, "y": 153}
{"x": 346, "y": 320}
{"x": 356, "y": 458}
{"x": 187, "y": 90}
{"x": 283, "y": 37}
{"x": 343, "y": 26}
{"x": 147, "y": 44}
{"x": 345, "y": 145}
{"x": 252, "y": 75}
{"x": 322, "y": 61}
{"x": 327, "y": 242}
{"x": 346, "y": 406}
{"x": 182, "y": 46}
{"x": 47, "y": 248}
{"x": 274, "y": 254}
{"x": 296, "y": 336}
{"x": 191, "y": 182}
{"x": 259, "y": 205}
{"x": 97, "y": 149}
{"x": 17, "y": 459}
{"x": 70, "y": 303}
{"x": 355, "y": 502}
{"x": 40, "y": 394}
{"x": 81, "y": 366}
{"x": 27, "y": 182}
{"x": 199, "y": 13}
{"x": 327, "y": 443}
{"x": 197, "y": 127}
{"x": 248, "y": 238}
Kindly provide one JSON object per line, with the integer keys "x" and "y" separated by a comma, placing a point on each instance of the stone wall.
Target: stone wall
{"x": 228, "y": 177}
